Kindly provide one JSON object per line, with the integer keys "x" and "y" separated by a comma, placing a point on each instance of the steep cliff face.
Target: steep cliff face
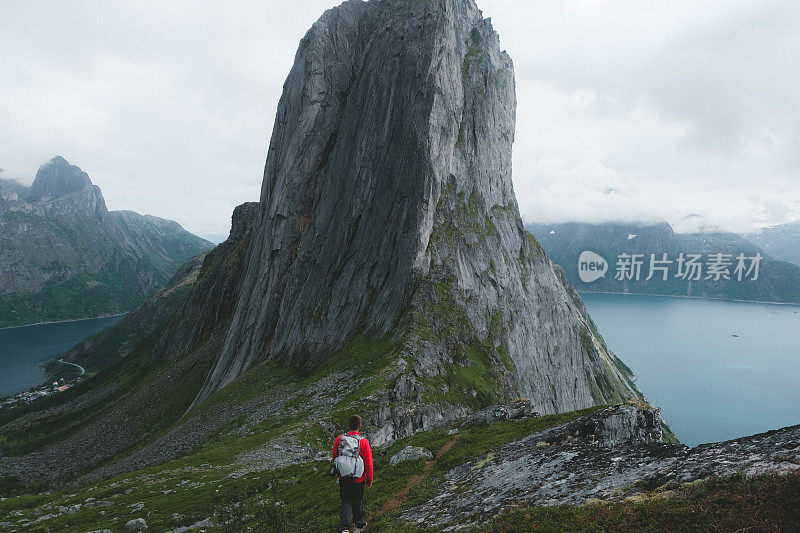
{"x": 387, "y": 208}
{"x": 63, "y": 255}
{"x": 208, "y": 308}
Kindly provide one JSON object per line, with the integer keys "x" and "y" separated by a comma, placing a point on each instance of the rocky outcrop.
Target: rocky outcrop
{"x": 137, "y": 524}
{"x": 63, "y": 255}
{"x": 612, "y": 454}
{"x": 387, "y": 208}
{"x": 10, "y": 192}
{"x": 387, "y": 245}
{"x": 410, "y": 453}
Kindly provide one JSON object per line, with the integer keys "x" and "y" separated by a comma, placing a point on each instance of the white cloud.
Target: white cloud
{"x": 627, "y": 110}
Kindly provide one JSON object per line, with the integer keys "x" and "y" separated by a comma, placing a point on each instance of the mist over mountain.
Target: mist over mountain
{"x": 777, "y": 281}
{"x": 64, "y": 255}
{"x": 782, "y": 241}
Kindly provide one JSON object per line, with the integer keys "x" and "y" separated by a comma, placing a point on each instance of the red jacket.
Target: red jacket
{"x": 366, "y": 454}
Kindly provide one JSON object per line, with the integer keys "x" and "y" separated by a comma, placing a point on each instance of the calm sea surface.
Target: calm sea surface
{"x": 718, "y": 370}
{"x": 22, "y": 349}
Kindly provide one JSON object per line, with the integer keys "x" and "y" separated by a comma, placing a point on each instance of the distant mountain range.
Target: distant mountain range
{"x": 782, "y": 241}
{"x": 718, "y": 255}
{"x": 64, "y": 255}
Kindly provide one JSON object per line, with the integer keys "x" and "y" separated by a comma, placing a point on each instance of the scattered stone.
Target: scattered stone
{"x": 410, "y": 453}
{"x": 177, "y": 517}
{"x": 98, "y": 503}
{"x": 517, "y": 409}
{"x": 202, "y": 524}
{"x": 136, "y": 507}
{"x": 137, "y": 524}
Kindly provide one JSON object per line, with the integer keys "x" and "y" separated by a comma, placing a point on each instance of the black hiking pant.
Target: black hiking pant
{"x": 352, "y": 495}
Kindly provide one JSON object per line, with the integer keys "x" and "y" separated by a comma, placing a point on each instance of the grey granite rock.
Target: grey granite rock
{"x": 212, "y": 299}
{"x": 61, "y": 187}
{"x": 202, "y": 524}
{"x": 98, "y": 503}
{"x": 387, "y": 207}
{"x": 518, "y": 409}
{"x": 137, "y": 524}
{"x": 612, "y": 454}
{"x": 410, "y": 453}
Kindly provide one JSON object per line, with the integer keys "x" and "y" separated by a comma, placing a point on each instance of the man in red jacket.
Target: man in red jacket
{"x": 351, "y": 491}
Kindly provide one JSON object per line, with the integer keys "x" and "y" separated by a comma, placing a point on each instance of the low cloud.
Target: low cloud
{"x": 627, "y": 110}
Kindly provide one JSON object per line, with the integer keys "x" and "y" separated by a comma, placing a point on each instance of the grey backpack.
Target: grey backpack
{"x": 348, "y": 463}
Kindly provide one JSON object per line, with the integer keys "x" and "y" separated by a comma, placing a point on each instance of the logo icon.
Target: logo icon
{"x": 591, "y": 266}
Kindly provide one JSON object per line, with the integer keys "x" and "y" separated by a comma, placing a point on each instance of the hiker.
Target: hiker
{"x": 352, "y": 463}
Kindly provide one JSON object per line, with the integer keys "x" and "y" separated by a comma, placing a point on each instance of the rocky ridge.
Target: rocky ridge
{"x": 612, "y": 454}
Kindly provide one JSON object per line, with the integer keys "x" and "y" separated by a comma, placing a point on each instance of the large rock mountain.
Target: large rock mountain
{"x": 63, "y": 255}
{"x": 385, "y": 271}
{"x": 778, "y": 281}
{"x": 387, "y": 208}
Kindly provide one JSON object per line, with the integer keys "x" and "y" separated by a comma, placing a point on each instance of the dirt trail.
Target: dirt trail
{"x": 397, "y": 502}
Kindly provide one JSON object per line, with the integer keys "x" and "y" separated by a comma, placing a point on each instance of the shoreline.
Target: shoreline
{"x": 63, "y": 321}
{"x": 56, "y": 358}
{"x": 686, "y": 297}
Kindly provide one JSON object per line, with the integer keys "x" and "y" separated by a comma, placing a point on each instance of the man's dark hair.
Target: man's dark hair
{"x": 355, "y": 422}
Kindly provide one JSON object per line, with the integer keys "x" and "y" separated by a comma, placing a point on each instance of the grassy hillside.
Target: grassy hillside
{"x": 110, "y": 345}
{"x": 213, "y": 483}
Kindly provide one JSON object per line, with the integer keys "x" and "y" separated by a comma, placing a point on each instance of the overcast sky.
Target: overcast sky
{"x": 632, "y": 110}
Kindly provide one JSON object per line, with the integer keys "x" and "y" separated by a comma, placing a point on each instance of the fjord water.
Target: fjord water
{"x": 719, "y": 370}
{"x": 23, "y": 349}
